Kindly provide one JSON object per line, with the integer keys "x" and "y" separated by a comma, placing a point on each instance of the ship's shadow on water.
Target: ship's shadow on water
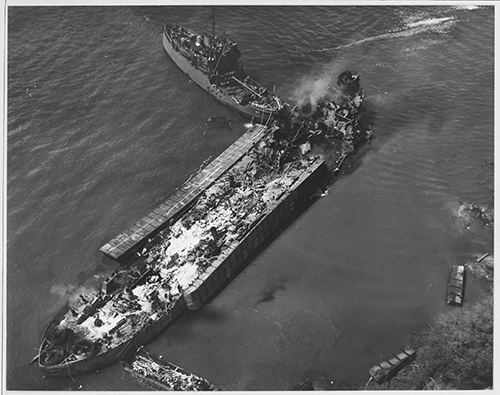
{"x": 189, "y": 321}
{"x": 208, "y": 314}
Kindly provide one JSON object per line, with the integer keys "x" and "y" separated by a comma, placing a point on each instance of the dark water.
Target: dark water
{"x": 102, "y": 127}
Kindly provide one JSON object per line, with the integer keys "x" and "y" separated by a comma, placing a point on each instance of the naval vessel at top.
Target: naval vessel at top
{"x": 213, "y": 63}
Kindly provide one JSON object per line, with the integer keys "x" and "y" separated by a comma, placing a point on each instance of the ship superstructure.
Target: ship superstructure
{"x": 214, "y": 64}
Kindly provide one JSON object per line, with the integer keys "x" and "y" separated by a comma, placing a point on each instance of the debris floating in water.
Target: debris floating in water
{"x": 156, "y": 288}
{"x": 456, "y": 285}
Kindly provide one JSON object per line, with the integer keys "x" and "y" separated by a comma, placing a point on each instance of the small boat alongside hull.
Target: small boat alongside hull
{"x": 160, "y": 375}
{"x": 194, "y": 253}
{"x": 260, "y": 112}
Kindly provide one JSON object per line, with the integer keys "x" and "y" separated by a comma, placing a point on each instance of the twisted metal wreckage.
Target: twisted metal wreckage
{"x": 138, "y": 302}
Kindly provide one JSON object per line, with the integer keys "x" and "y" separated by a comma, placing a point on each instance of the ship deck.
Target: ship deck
{"x": 124, "y": 246}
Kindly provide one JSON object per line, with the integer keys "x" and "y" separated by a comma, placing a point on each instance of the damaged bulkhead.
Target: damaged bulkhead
{"x": 140, "y": 301}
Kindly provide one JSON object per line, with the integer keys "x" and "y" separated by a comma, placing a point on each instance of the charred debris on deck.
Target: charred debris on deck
{"x": 235, "y": 206}
{"x": 178, "y": 265}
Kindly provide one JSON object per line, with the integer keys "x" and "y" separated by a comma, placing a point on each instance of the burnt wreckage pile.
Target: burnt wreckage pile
{"x": 141, "y": 300}
{"x": 340, "y": 119}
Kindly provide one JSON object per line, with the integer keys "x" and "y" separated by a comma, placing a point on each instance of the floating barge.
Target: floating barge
{"x": 456, "y": 284}
{"x": 126, "y": 246}
{"x": 387, "y": 369}
{"x": 187, "y": 249}
{"x": 204, "y": 234}
{"x": 263, "y": 222}
{"x": 160, "y": 375}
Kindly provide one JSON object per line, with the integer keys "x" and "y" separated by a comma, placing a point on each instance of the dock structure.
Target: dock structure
{"x": 385, "y": 370}
{"x": 124, "y": 246}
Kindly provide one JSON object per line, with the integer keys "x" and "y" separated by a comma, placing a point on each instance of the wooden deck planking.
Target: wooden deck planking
{"x": 133, "y": 235}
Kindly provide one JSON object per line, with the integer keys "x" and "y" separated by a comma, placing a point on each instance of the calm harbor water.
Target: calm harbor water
{"x": 102, "y": 127}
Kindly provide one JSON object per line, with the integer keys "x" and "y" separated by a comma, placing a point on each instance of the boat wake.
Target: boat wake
{"x": 430, "y": 22}
{"x": 469, "y": 7}
{"x": 428, "y": 25}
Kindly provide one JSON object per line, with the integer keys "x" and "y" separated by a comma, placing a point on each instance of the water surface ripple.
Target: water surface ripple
{"x": 102, "y": 127}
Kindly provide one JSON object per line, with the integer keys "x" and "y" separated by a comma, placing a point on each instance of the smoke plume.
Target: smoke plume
{"x": 312, "y": 89}
{"x": 70, "y": 293}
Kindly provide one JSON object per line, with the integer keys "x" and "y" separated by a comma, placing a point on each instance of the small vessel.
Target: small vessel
{"x": 213, "y": 63}
{"x": 456, "y": 285}
{"x": 205, "y": 244}
{"x": 160, "y": 375}
{"x": 386, "y": 369}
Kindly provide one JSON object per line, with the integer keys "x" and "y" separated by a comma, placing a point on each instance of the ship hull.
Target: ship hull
{"x": 146, "y": 381}
{"x": 91, "y": 364}
{"x": 130, "y": 354}
{"x": 201, "y": 79}
{"x": 151, "y": 383}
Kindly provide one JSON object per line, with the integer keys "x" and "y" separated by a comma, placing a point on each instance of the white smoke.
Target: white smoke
{"x": 312, "y": 89}
{"x": 70, "y": 293}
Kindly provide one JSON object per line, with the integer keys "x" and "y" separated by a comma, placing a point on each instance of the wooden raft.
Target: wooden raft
{"x": 456, "y": 285}
{"x": 387, "y": 369}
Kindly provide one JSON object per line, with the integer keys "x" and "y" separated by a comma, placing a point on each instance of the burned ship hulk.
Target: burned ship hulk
{"x": 181, "y": 254}
{"x": 154, "y": 373}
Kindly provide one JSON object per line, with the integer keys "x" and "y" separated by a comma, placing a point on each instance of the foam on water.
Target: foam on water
{"x": 429, "y": 25}
{"x": 431, "y": 22}
{"x": 469, "y": 7}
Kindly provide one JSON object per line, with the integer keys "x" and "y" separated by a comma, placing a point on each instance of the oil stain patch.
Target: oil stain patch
{"x": 269, "y": 291}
